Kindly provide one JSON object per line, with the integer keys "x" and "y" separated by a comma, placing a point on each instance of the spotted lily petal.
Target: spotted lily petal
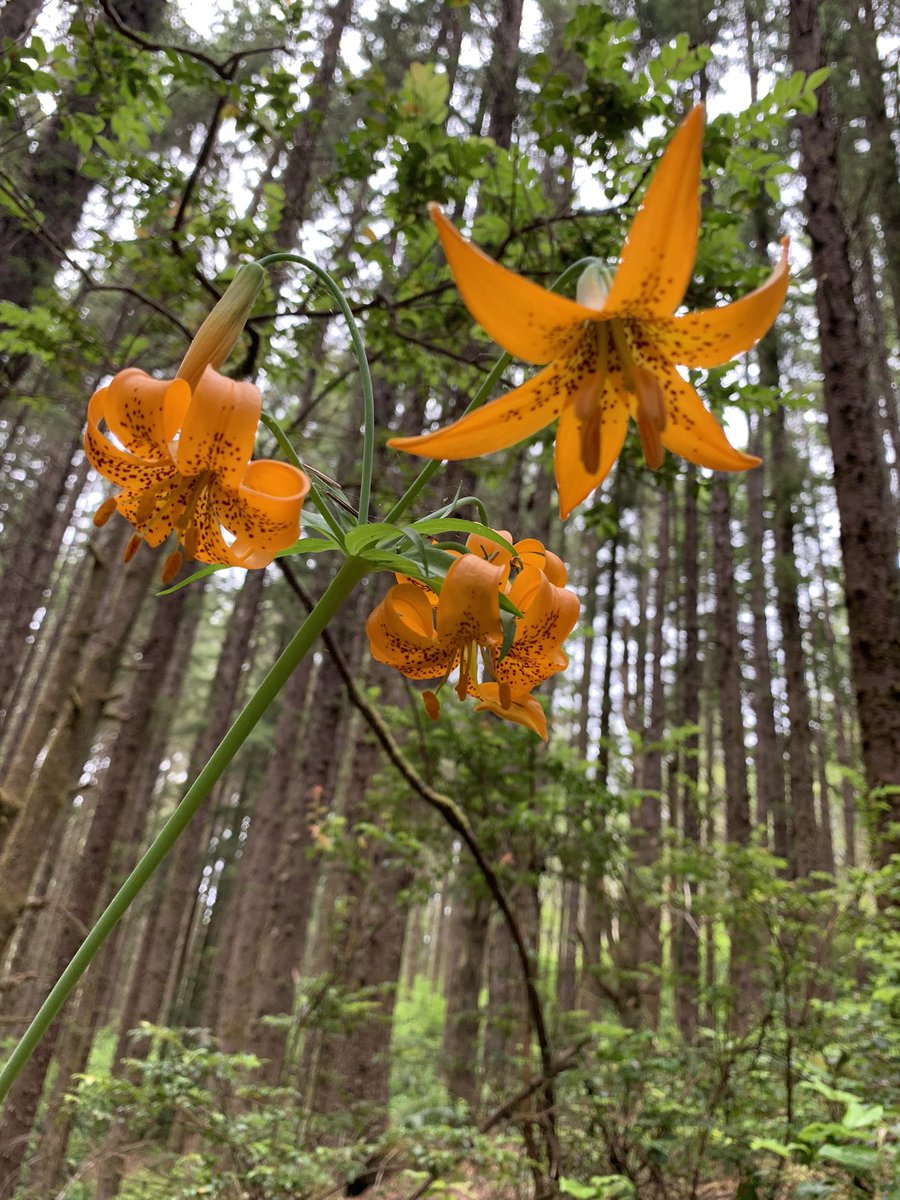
{"x": 263, "y": 514}
{"x": 712, "y": 337}
{"x": 401, "y": 634}
{"x": 522, "y": 710}
{"x": 658, "y": 257}
{"x": 504, "y": 421}
{"x": 526, "y": 320}
{"x": 694, "y": 433}
{"x": 120, "y": 467}
{"x": 535, "y": 554}
{"x": 573, "y": 482}
{"x": 145, "y": 413}
{"x": 469, "y": 605}
{"x": 219, "y": 429}
{"x": 549, "y": 616}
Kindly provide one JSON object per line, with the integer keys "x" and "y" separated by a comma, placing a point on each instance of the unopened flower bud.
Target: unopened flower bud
{"x": 593, "y": 287}
{"x": 218, "y": 334}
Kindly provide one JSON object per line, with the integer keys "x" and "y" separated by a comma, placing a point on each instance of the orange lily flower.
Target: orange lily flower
{"x": 184, "y": 466}
{"x": 424, "y": 640}
{"x": 611, "y": 352}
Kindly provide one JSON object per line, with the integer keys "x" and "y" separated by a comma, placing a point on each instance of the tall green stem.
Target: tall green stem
{"x": 338, "y": 590}
{"x": 368, "y": 447}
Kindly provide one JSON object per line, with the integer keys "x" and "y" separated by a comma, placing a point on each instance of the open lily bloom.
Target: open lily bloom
{"x": 183, "y": 465}
{"x": 612, "y": 353}
{"x": 424, "y": 640}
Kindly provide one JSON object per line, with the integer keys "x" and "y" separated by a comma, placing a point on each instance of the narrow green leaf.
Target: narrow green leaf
{"x": 363, "y": 536}
{"x": 430, "y": 526}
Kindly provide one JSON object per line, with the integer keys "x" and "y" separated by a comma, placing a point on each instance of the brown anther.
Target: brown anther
{"x": 652, "y": 417}
{"x": 189, "y": 543}
{"x": 589, "y": 441}
{"x": 131, "y": 549}
{"x": 505, "y": 695}
{"x": 172, "y": 566}
{"x": 105, "y": 511}
{"x": 145, "y": 507}
{"x": 651, "y": 402}
{"x": 432, "y": 705}
{"x": 650, "y": 443}
{"x": 462, "y": 684}
{"x": 584, "y": 402}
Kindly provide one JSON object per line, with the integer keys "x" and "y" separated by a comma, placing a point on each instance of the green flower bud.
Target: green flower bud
{"x": 218, "y": 334}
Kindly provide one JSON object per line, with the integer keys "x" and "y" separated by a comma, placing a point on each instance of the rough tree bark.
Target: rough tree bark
{"x": 17, "y": 1120}
{"x": 686, "y": 942}
{"x": 71, "y": 741}
{"x": 868, "y": 531}
{"x": 640, "y": 948}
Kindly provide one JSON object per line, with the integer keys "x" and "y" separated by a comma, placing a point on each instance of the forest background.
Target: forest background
{"x": 318, "y": 994}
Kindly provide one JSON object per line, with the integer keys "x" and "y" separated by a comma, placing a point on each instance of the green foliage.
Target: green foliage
{"x": 251, "y": 1137}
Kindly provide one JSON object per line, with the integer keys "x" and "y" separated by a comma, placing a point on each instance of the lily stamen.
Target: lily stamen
{"x": 189, "y": 542}
{"x": 626, "y": 361}
{"x": 185, "y": 526}
{"x": 171, "y": 566}
{"x": 652, "y": 417}
{"x": 105, "y": 511}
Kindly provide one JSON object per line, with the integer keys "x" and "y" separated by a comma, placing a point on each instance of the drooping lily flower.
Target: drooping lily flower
{"x": 612, "y": 352}
{"x": 463, "y": 630}
{"x": 183, "y": 458}
{"x": 184, "y": 466}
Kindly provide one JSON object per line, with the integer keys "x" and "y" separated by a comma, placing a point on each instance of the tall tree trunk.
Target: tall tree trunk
{"x": 686, "y": 941}
{"x": 467, "y": 941}
{"x": 272, "y": 822}
{"x": 868, "y": 530}
{"x": 29, "y": 559}
{"x": 881, "y": 162}
{"x": 767, "y": 755}
{"x": 302, "y": 166}
{"x": 743, "y": 938}
{"x": 294, "y": 872}
{"x": 503, "y": 72}
{"x": 18, "y": 1116}
{"x": 640, "y": 945}
{"x": 71, "y": 742}
{"x": 805, "y": 848}
{"x": 596, "y": 908}
{"x": 566, "y": 981}
{"x": 508, "y": 1033}
{"x": 92, "y": 584}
